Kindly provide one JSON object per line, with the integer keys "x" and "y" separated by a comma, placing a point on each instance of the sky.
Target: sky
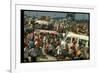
{"x": 78, "y": 16}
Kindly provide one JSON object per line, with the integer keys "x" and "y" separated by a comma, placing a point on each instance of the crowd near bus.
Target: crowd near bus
{"x": 61, "y": 41}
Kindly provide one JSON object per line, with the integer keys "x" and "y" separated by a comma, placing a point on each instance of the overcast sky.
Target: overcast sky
{"x": 78, "y": 16}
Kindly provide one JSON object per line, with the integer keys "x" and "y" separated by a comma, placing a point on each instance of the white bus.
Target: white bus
{"x": 79, "y": 38}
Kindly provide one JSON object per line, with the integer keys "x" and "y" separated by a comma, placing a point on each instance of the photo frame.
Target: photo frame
{"x": 18, "y": 9}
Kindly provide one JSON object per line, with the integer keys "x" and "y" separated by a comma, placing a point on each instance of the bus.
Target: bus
{"x": 81, "y": 39}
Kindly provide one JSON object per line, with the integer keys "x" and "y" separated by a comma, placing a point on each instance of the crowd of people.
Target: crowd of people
{"x": 39, "y": 44}
{"x": 61, "y": 26}
{"x": 79, "y": 27}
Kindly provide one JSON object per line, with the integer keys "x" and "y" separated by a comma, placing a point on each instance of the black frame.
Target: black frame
{"x": 22, "y": 31}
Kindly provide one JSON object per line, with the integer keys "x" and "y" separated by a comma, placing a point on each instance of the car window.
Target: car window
{"x": 68, "y": 40}
{"x": 82, "y": 42}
